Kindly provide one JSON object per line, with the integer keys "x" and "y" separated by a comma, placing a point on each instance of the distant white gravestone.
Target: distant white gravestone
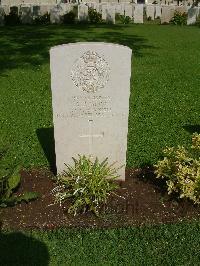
{"x": 90, "y": 94}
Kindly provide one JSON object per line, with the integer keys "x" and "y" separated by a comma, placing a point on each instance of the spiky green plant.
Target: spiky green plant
{"x": 88, "y": 184}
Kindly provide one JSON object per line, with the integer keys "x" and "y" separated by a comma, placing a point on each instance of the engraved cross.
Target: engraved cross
{"x": 91, "y": 136}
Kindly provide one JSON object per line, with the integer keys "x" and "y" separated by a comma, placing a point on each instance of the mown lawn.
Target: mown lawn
{"x": 164, "y": 110}
{"x": 164, "y": 102}
{"x": 154, "y": 245}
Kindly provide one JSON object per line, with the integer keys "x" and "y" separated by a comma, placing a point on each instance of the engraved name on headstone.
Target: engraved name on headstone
{"x": 90, "y": 96}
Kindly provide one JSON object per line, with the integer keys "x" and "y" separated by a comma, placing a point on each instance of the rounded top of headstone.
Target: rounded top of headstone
{"x": 78, "y": 44}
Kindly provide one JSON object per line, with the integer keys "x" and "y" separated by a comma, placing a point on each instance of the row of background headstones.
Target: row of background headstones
{"x": 108, "y": 11}
{"x": 54, "y": 2}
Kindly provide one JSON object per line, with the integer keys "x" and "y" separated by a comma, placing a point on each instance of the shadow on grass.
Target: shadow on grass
{"x": 28, "y": 46}
{"x": 46, "y": 139}
{"x": 19, "y": 249}
{"x": 192, "y": 128}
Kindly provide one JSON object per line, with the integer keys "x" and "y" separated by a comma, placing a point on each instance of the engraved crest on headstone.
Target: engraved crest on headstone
{"x": 90, "y": 72}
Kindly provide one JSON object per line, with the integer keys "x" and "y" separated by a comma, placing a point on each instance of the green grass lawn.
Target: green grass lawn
{"x": 164, "y": 102}
{"x": 164, "y": 110}
{"x": 176, "y": 245}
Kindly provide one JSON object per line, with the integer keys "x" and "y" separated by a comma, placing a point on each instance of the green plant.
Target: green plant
{"x": 42, "y": 20}
{"x": 181, "y": 170}
{"x": 179, "y": 18}
{"x": 12, "y": 18}
{"x": 88, "y": 184}
{"x": 94, "y": 16}
{"x": 69, "y": 18}
{"x": 124, "y": 19}
{"x": 9, "y": 182}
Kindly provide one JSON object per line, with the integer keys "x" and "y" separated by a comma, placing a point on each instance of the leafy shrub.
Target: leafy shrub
{"x": 9, "y": 182}
{"x": 69, "y": 18}
{"x": 88, "y": 184}
{"x": 94, "y": 16}
{"x": 124, "y": 19}
{"x": 42, "y": 20}
{"x": 12, "y": 19}
{"x": 179, "y": 18}
{"x": 181, "y": 170}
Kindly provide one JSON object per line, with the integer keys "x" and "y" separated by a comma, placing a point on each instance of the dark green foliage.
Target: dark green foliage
{"x": 179, "y": 18}
{"x": 88, "y": 184}
{"x": 124, "y": 19}
{"x": 42, "y": 20}
{"x": 69, "y": 18}
{"x": 9, "y": 182}
{"x": 94, "y": 16}
{"x": 12, "y": 19}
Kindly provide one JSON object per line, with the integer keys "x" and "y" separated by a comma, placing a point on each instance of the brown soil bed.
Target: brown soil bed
{"x": 141, "y": 200}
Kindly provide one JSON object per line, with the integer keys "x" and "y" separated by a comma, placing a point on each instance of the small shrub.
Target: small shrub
{"x": 42, "y": 20}
{"x": 181, "y": 170}
{"x": 69, "y": 18}
{"x": 124, "y": 19}
{"x": 94, "y": 16}
{"x": 88, "y": 184}
{"x": 12, "y": 19}
{"x": 149, "y": 18}
{"x": 9, "y": 182}
{"x": 179, "y": 18}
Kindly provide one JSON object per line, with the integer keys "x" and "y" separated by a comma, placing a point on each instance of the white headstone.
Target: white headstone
{"x": 108, "y": 13}
{"x": 96, "y": 7}
{"x": 167, "y": 14}
{"x": 138, "y": 13}
{"x": 82, "y": 12}
{"x": 150, "y": 11}
{"x": 128, "y": 8}
{"x": 35, "y": 11}
{"x": 56, "y": 14}
{"x": 90, "y": 94}
{"x": 26, "y": 15}
{"x": 6, "y": 9}
{"x": 192, "y": 15}
{"x": 158, "y": 11}
{"x": 119, "y": 9}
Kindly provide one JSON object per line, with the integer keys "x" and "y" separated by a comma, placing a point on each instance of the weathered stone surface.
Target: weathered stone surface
{"x": 82, "y": 12}
{"x": 192, "y": 15}
{"x": 6, "y": 9}
{"x": 119, "y": 9}
{"x": 158, "y": 11}
{"x": 26, "y": 15}
{"x": 167, "y": 14}
{"x": 181, "y": 9}
{"x": 55, "y": 15}
{"x": 108, "y": 13}
{"x": 128, "y": 8}
{"x": 138, "y": 13}
{"x": 90, "y": 95}
{"x": 150, "y": 11}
